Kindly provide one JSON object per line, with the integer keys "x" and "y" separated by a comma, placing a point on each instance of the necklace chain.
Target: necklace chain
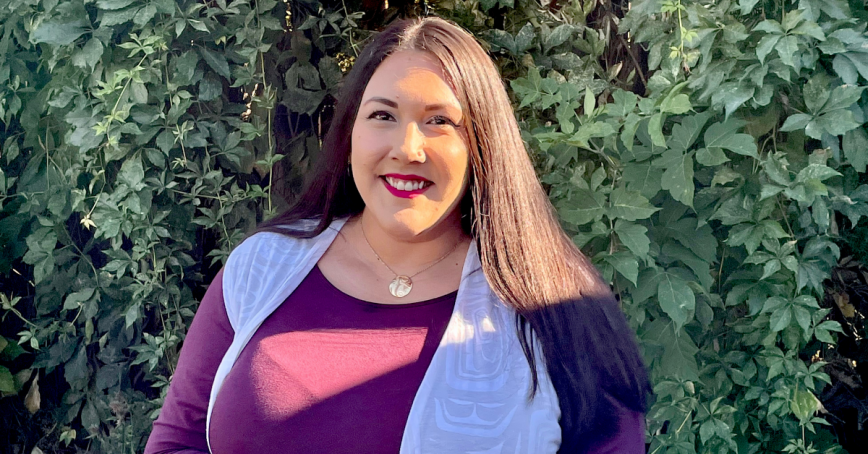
{"x": 407, "y": 280}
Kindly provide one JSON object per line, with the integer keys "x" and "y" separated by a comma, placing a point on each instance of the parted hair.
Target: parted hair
{"x": 560, "y": 300}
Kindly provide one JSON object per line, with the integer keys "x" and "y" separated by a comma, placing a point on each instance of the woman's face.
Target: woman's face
{"x": 409, "y": 146}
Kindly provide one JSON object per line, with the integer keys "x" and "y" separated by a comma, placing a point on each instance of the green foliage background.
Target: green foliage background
{"x": 708, "y": 155}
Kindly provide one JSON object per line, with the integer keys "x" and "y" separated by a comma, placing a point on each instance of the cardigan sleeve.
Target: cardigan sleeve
{"x": 180, "y": 428}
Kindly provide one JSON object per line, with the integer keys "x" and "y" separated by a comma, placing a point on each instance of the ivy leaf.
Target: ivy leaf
{"x": 524, "y": 39}
{"x": 787, "y": 48}
{"x": 74, "y": 299}
{"x": 780, "y": 318}
{"x": 624, "y": 263}
{"x": 114, "y": 4}
{"x": 583, "y": 207}
{"x": 644, "y": 178}
{"x": 678, "y": 175}
{"x": 486, "y": 5}
{"x": 676, "y": 299}
{"x": 217, "y": 62}
{"x": 836, "y": 123}
{"x": 804, "y": 404}
{"x": 655, "y": 130}
{"x": 558, "y": 36}
{"x": 855, "y": 147}
{"x": 723, "y": 135}
{"x": 7, "y": 382}
{"x": 679, "y": 351}
{"x": 677, "y": 104}
{"x": 59, "y": 34}
{"x": 685, "y": 133}
{"x": 711, "y": 156}
{"x": 795, "y": 122}
{"x": 746, "y": 6}
{"x": 633, "y": 236}
{"x": 629, "y": 205}
{"x": 816, "y": 172}
{"x": 210, "y": 88}
{"x": 132, "y": 174}
{"x": 766, "y": 46}
{"x": 89, "y": 55}
{"x": 76, "y": 370}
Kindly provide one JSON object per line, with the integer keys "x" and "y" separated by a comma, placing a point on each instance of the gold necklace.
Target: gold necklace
{"x": 402, "y": 284}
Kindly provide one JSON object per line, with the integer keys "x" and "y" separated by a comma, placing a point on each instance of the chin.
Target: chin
{"x": 409, "y": 225}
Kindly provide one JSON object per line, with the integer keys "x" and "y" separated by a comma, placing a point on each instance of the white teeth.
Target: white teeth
{"x": 404, "y": 185}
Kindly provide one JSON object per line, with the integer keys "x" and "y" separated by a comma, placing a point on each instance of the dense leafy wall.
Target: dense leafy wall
{"x": 707, "y": 155}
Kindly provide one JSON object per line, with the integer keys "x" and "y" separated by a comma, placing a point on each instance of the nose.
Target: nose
{"x": 412, "y": 143}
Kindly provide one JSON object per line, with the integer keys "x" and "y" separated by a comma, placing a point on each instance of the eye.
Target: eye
{"x": 440, "y": 120}
{"x": 381, "y": 115}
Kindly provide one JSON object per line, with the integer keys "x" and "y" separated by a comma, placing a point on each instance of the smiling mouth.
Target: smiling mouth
{"x": 405, "y": 188}
{"x": 407, "y": 185}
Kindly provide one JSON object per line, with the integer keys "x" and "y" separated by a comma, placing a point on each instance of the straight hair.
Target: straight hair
{"x": 588, "y": 349}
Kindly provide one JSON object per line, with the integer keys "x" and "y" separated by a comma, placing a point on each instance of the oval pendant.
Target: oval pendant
{"x": 400, "y": 286}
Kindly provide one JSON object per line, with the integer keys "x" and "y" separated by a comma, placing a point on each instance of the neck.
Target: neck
{"x": 407, "y": 253}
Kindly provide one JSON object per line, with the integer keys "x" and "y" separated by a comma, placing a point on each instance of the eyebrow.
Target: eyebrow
{"x": 394, "y": 105}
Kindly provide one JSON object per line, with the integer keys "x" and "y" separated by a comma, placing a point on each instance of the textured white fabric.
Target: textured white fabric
{"x": 473, "y": 397}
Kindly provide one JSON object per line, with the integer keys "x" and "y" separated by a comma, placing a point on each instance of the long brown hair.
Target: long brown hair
{"x": 589, "y": 350}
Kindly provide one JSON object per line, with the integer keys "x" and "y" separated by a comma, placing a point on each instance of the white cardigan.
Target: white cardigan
{"x": 473, "y": 397}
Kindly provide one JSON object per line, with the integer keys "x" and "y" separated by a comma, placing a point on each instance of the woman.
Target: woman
{"x": 421, "y": 296}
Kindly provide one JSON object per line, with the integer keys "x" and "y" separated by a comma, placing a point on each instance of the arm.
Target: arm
{"x": 180, "y": 428}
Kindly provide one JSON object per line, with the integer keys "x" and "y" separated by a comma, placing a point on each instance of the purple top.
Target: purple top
{"x": 325, "y": 372}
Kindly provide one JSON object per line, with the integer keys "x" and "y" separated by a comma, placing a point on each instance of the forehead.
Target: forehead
{"x": 411, "y": 77}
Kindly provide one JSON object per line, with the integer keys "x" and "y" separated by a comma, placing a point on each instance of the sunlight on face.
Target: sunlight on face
{"x": 409, "y": 146}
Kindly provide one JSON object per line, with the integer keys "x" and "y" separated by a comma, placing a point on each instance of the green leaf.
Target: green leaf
{"x": 842, "y": 97}
{"x": 114, "y": 4}
{"x": 723, "y": 135}
{"x": 746, "y": 6}
{"x": 787, "y": 48}
{"x": 624, "y": 263}
{"x": 685, "y": 133}
{"x": 678, "y": 175}
{"x": 711, "y": 156}
{"x": 644, "y": 178}
{"x": 817, "y": 172}
{"x": 676, "y": 299}
{"x": 74, "y": 299}
{"x": 132, "y": 173}
{"x": 210, "y": 88}
{"x": 589, "y": 102}
{"x": 110, "y": 18}
{"x": 804, "y": 404}
{"x": 836, "y": 123}
{"x": 89, "y": 55}
{"x": 558, "y": 36}
{"x": 855, "y": 146}
{"x": 766, "y": 46}
{"x": 677, "y": 104}
{"x": 795, "y": 122}
{"x": 7, "y": 381}
{"x": 633, "y": 236}
{"x": 583, "y": 207}
{"x": 629, "y": 205}
{"x": 59, "y": 34}
{"x": 816, "y": 92}
{"x": 678, "y": 358}
{"x": 76, "y": 370}
{"x": 216, "y": 61}
{"x": 780, "y": 318}
{"x": 655, "y": 130}
{"x": 524, "y": 39}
